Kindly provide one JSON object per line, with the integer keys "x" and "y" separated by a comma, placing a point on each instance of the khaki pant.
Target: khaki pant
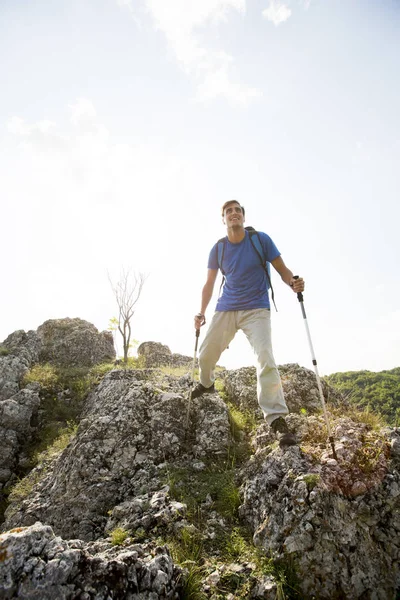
{"x": 256, "y": 325}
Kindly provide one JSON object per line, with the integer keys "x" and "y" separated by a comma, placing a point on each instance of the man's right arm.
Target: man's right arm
{"x": 206, "y": 296}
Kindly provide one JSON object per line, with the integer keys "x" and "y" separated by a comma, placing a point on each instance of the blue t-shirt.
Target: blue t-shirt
{"x": 246, "y": 282}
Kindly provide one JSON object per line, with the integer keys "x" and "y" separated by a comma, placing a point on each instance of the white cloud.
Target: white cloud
{"x": 83, "y": 111}
{"x": 17, "y": 126}
{"x": 217, "y": 83}
{"x": 86, "y": 163}
{"x": 185, "y": 24}
{"x": 277, "y": 12}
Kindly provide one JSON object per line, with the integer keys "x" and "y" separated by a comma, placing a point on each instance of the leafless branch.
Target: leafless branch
{"x": 127, "y": 292}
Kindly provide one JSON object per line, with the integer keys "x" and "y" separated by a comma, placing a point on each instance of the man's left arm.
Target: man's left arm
{"x": 286, "y": 274}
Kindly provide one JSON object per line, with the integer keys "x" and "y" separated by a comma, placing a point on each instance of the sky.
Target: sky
{"x": 126, "y": 124}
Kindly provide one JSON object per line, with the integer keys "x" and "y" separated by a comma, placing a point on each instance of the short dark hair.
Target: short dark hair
{"x": 228, "y": 202}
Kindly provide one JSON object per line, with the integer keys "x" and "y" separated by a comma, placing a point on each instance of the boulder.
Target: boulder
{"x": 74, "y": 343}
{"x": 155, "y": 354}
{"x": 34, "y": 563}
{"x": 21, "y": 351}
{"x": 299, "y": 387}
{"x": 128, "y": 429}
{"x": 24, "y": 345}
{"x": 336, "y": 521}
{"x": 18, "y": 417}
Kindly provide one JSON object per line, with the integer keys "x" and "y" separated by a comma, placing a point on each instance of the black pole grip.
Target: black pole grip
{"x": 299, "y": 294}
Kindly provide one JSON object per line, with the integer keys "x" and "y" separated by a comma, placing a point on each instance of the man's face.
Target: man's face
{"x": 233, "y": 215}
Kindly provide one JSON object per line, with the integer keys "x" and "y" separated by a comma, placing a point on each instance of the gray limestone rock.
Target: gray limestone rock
{"x": 337, "y": 520}
{"x": 128, "y": 429}
{"x": 34, "y": 564}
{"x": 155, "y": 354}
{"x": 23, "y": 351}
{"x": 18, "y": 417}
{"x": 74, "y": 342}
{"x": 24, "y": 345}
{"x": 299, "y": 387}
{"x": 12, "y": 369}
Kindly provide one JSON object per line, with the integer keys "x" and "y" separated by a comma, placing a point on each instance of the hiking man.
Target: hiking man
{"x": 244, "y": 304}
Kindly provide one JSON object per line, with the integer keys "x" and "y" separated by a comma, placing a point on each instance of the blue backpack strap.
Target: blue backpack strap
{"x": 220, "y": 257}
{"x": 258, "y": 247}
{"x": 220, "y": 253}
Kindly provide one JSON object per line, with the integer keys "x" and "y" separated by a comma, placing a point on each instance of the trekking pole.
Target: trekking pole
{"x": 314, "y": 361}
{"x": 192, "y": 380}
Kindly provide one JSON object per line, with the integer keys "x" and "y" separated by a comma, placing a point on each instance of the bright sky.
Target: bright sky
{"x": 125, "y": 125}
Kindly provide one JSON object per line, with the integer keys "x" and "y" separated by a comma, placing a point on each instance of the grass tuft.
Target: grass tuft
{"x": 217, "y": 482}
{"x": 24, "y": 486}
{"x": 118, "y": 536}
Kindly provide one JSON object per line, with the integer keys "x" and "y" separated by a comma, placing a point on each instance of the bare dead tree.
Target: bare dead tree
{"x": 127, "y": 292}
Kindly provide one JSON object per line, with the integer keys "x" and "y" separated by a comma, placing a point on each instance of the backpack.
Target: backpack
{"x": 257, "y": 245}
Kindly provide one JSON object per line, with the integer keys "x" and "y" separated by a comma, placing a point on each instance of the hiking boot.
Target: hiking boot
{"x": 285, "y": 437}
{"x": 199, "y": 390}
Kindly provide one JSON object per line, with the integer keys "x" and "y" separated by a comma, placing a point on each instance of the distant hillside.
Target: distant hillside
{"x": 380, "y": 392}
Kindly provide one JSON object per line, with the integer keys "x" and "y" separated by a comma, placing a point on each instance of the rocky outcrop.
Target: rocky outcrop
{"x": 65, "y": 342}
{"x": 22, "y": 350}
{"x": 338, "y": 521}
{"x": 24, "y": 345}
{"x": 17, "y": 418}
{"x": 130, "y": 428}
{"x": 74, "y": 343}
{"x": 34, "y": 563}
{"x": 335, "y": 522}
{"x": 18, "y": 408}
{"x": 299, "y": 387}
{"x": 154, "y": 354}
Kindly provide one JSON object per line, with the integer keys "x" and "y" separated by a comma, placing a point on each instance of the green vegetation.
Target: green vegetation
{"x": 311, "y": 480}
{"x": 64, "y": 437}
{"x": 25, "y": 485}
{"x": 190, "y": 551}
{"x": 62, "y": 392}
{"x": 183, "y": 370}
{"x": 133, "y": 362}
{"x": 4, "y": 351}
{"x": 178, "y": 371}
{"x": 374, "y": 421}
{"x": 377, "y": 392}
{"x": 369, "y": 454}
{"x": 118, "y": 536}
{"x": 214, "y": 490}
{"x": 216, "y": 482}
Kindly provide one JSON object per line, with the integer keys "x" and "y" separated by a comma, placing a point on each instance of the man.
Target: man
{"x": 244, "y": 304}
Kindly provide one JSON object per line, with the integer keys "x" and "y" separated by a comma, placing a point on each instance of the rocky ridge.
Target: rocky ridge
{"x": 134, "y": 466}
{"x": 62, "y": 342}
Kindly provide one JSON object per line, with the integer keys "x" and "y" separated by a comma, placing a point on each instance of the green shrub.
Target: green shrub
{"x": 312, "y": 480}
{"x": 45, "y": 374}
{"x": 379, "y": 392}
{"x": 374, "y": 421}
{"x": 186, "y": 547}
{"x": 193, "y": 488}
{"x": 118, "y": 536}
{"x": 57, "y": 445}
{"x": 24, "y": 486}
